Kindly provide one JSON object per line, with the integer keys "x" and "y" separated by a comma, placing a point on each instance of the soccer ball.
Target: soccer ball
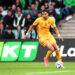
{"x": 58, "y": 64}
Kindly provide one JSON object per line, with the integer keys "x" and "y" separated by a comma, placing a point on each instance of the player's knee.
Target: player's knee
{"x": 51, "y": 48}
{"x": 55, "y": 47}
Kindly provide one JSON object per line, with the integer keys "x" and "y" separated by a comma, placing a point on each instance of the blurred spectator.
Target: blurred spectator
{"x": 33, "y": 12}
{"x": 2, "y": 11}
{"x": 66, "y": 12}
{"x": 56, "y": 7}
{"x": 36, "y": 4}
{"x": 28, "y": 7}
{"x": 53, "y": 12}
{"x": 28, "y": 22}
{"x": 19, "y": 19}
{"x": 2, "y": 31}
{"x": 70, "y": 4}
{"x": 46, "y": 5}
{"x": 27, "y": 4}
{"x": 9, "y": 8}
{"x": 19, "y": 33}
{"x": 18, "y": 3}
{"x": 43, "y": 1}
{"x": 1, "y": 17}
{"x": 39, "y": 14}
{"x": 9, "y": 34}
{"x": 8, "y": 20}
{"x": 19, "y": 23}
{"x": 42, "y": 7}
{"x": 59, "y": 5}
{"x": 19, "y": 9}
{"x": 9, "y": 3}
{"x": 14, "y": 9}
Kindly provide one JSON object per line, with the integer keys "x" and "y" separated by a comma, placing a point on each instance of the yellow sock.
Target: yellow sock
{"x": 58, "y": 55}
{"x": 48, "y": 54}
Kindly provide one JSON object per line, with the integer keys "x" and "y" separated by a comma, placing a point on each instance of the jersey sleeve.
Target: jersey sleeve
{"x": 36, "y": 22}
{"x": 53, "y": 23}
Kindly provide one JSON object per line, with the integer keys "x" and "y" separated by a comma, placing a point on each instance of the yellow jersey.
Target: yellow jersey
{"x": 43, "y": 26}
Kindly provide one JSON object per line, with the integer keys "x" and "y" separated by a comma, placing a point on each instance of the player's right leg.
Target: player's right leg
{"x": 58, "y": 55}
{"x": 51, "y": 49}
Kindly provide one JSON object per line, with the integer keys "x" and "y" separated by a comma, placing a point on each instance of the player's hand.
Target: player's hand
{"x": 25, "y": 36}
{"x": 60, "y": 38}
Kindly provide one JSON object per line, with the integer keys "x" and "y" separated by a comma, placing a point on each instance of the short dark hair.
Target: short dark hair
{"x": 46, "y": 11}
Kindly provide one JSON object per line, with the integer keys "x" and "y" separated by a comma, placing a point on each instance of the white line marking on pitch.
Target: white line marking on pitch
{"x": 30, "y": 73}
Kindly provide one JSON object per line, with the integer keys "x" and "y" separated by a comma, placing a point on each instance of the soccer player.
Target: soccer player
{"x": 46, "y": 39}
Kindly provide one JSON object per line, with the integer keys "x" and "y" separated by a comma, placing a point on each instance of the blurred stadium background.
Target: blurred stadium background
{"x": 15, "y": 18}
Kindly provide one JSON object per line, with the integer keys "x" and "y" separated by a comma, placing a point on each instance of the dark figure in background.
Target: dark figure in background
{"x": 9, "y": 34}
{"x": 59, "y": 5}
{"x": 28, "y": 22}
{"x": 52, "y": 10}
{"x": 1, "y": 16}
{"x": 13, "y": 9}
{"x": 33, "y": 12}
{"x": 46, "y": 5}
{"x": 1, "y": 2}
{"x": 17, "y": 3}
{"x": 8, "y": 20}
{"x": 2, "y": 31}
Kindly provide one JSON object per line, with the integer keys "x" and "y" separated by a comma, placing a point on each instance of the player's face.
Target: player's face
{"x": 45, "y": 15}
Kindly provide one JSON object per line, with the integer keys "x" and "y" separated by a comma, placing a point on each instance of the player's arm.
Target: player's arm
{"x": 56, "y": 30}
{"x": 57, "y": 33}
{"x": 31, "y": 28}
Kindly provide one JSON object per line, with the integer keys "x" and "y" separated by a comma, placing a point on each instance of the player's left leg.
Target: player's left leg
{"x": 51, "y": 49}
{"x": 48, "y": 54}
{"x": 58, "y": 55}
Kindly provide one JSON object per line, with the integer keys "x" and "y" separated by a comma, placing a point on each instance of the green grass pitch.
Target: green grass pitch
{"x": 35, "y": 68}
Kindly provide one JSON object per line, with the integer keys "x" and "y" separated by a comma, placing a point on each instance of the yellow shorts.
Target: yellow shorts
{"x": 47, "y": 39}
